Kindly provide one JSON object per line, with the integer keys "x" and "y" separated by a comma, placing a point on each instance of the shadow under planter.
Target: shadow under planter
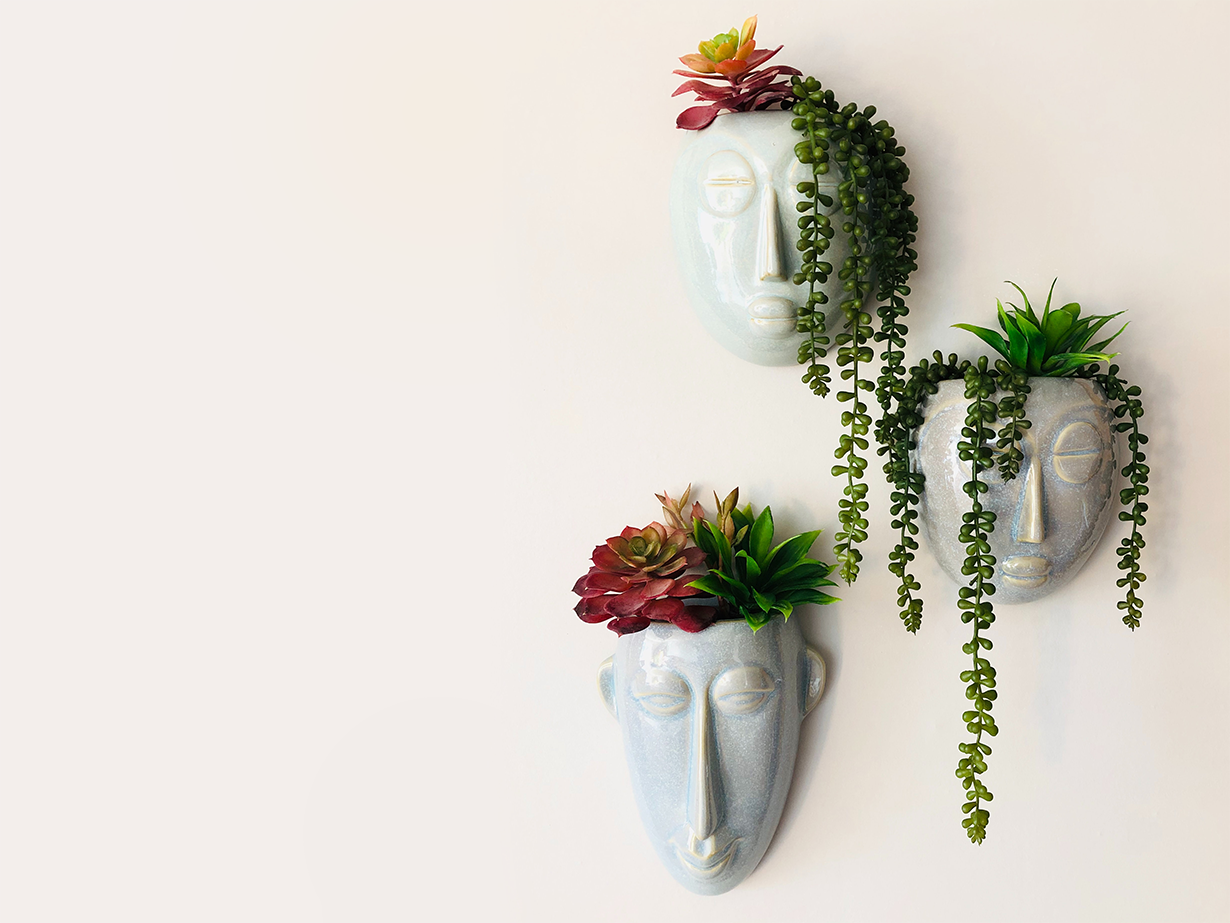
{"x": 1049, "y": 518}
{"x": 710, "y": 723}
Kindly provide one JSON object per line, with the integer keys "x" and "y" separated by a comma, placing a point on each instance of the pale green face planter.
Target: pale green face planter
{"x": 710, "y": 724}
{"x": 732, "y": 200}
{"x": 1050, "y": 517}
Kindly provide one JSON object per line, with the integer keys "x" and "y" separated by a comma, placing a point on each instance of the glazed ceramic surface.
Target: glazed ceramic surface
{"x": 710, "y": 724}
{"x": 735, "y": 225}
{"x": 1050, "y": 517}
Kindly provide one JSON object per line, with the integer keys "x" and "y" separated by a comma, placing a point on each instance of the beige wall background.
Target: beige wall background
{"x": 334, "y": 336}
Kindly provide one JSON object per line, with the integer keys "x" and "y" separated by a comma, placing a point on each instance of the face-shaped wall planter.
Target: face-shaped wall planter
{"x": 710, "y": 724}
{"x": 1048, "y": 518}
{"x": 733, "y": 197}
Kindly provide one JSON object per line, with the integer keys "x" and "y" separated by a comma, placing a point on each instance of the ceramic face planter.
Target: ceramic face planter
{"x": 1050, "y": 517}
{"x": 733, "y": 197}
{"x": 710, "y": 724}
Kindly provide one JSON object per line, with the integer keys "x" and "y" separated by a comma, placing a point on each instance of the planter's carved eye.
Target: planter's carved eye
{"x": 728, "y": 182}
{"x": 661, "y": 692}
{"x": 1078, "y": 453}
{"x": 742, "y": 690}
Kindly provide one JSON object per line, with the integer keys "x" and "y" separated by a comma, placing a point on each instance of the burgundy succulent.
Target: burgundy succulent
{"x": 724, "y": 74}
{"x": 638, "y": 577}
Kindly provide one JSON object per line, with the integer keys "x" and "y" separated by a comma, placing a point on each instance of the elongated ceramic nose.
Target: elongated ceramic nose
{"x": 769, "y": 251}
{"x": 1030, "y": 523}
{"x": 704, "y": 798}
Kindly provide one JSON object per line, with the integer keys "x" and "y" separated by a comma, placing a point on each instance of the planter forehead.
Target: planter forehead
{"x": 1051, "y": 516}
{"x": 733, "y": 196}
{"x": 710, "y": 723}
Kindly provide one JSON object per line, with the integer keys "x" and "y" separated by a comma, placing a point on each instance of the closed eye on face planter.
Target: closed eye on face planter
{"x": 661, "y": 692}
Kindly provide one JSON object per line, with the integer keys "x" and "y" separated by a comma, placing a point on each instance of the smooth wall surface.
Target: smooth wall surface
{"x": 333, "y": 337}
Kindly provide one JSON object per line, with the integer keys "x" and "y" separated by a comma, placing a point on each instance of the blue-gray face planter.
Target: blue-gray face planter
{"x": 732, "y": 199}
{"x": 1050, "y": 517}
{"x": 710, "y": 724}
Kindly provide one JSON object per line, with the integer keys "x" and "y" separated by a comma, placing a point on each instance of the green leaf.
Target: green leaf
{"x": 1047, "y": 309}
{"x": 1055, "y": 326}
{"x": 709, "y": 584}
{"x": 799, "y": 597}
{"x": 990, "y": 337}
{"x": 1018, "y": 347}
{"x": 785, "y": 608}
{"x": 806, "y": 573}
{"x": 1098, "y": 325}
{"x": 1029, "y": 311}
{"x": 1036, "y": 343}
{"x": 1066, "y": 363}
{"x": 1099, "y": 347}
{"x": 704, "y": 541}
{"x": 721, "y": 544}
{"x": 766, "y": 601}
{"x": 762, "y": 536}
{"x": 756, "y": 620}
{"x": 791, "y": 551}
{"x": 1005, "y": 322}
{"x": 750, "y": 566}
{"x": 1076, "y": 337}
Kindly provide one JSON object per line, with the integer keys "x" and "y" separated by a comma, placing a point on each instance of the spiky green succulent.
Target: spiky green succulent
{"x": 754, "y": 578}
{"x": 1055, "y": 344}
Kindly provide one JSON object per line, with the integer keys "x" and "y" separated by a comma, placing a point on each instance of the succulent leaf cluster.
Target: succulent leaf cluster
{"x": 753, "y": 577}
{"x": 726, "y": 74}
{"x": 641, "y": 576}
{"x": 732, "y": 571}
{"x": 1055, "y": 344}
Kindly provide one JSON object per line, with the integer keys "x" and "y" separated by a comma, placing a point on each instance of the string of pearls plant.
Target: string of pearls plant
{"x": 882, "y": 229}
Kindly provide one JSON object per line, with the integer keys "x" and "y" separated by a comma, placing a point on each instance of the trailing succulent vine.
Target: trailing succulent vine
{"x": 974, "y": 599}
{"x": 1053, "y": 344}
{"x": 1128, "y": 404}
{"x": 881, "y": 230}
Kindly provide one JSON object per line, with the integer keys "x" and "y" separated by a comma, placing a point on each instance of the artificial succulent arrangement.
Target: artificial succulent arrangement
{"x": 727, "y": 568}
{"x": 877, "y": 218}
{"x": 1055, "y": 344}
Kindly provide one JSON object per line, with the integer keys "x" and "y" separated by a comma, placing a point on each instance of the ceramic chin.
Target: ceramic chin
{"x": 732, "y": 200}
{"x": 710, "y": 723}
{"x": 1049, "y": 518}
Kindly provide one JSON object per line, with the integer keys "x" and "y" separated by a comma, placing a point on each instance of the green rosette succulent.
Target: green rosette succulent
{"x": 1055, "y": 344}
{"x": 751, "y": 576}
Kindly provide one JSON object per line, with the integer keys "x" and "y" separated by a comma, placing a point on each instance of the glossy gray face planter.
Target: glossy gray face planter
{"x": 1050, "y": 517}
{"x": 710, "y": 724}
{"x": 733, "y": 197}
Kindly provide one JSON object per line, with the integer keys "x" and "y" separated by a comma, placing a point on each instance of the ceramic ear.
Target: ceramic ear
{"x": 816, "y": 675}
{"x": 606, "y": 683}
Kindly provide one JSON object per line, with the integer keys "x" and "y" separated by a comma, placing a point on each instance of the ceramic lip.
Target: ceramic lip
{"x": 1026, "y": 570}
{"x": 772, "y": 316}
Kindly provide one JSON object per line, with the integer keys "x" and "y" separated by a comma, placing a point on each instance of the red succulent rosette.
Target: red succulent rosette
{"x": 725, "y": 75}
{"x": 639, "y": 577}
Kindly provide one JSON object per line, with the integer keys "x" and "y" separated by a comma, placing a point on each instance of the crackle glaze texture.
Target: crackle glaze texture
{"x": 710, "y": 724}
{"x": 735, "y": 225}
{"x": 1051, "y": 516}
